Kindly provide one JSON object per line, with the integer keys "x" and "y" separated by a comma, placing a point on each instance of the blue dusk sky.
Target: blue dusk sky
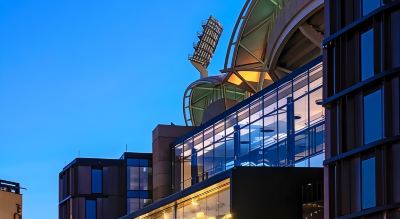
{"x": 92, "y": 76}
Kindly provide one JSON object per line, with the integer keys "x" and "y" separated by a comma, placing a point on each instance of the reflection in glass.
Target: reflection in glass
{"x": 90, "y": 209}
{"x": 368, "y": 184}
{"x": 367, "y": 54}
{"x": 373, "y": 121}
{"x": 133, "y": 204}
{"x": 284, "y": 92}
{"x": 261, "y": 134}
{"x": 282, "y": 123}
{"x": 301, "y": 113}
{"x": 370, "y": 5}
{"x": 219, "y": 157}
{"x": 145, "y": 173}
{"x": 316, "y": 110}
{"x": 230, "y": 151}
{"x": 300, "y": 85}
{"x": 301, "y": 146}
{"x": 208, "y": 161}
{"x": 97, "y": 180}
{"x": 133, "y": 178}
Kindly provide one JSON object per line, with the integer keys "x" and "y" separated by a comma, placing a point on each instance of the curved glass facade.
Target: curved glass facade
{"x": 283, "y": 125}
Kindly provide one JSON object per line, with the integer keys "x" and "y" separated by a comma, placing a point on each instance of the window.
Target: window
{"x": 367, "y": 54}
{"x": 133, "y": 204}
{"x": 368, "y": 184}
{"x": 90, "y": 209}
{"x": 370, "y": 5}
{"x": 139, "y": 173}
{"x": 133, "y": 178}
{"x": 97, "y": 180}
{"x": 373, "y": 121}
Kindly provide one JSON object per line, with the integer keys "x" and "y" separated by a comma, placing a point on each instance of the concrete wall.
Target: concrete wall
{"x": 163, "y": 136}
{"x": 9, "y": 203}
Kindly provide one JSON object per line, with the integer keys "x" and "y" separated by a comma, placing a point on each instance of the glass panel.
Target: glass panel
{"x": 316, "y": 111}
{"x": 187, "y": 172}
{"x": 133, "y": 162}
{"x": 256, "y": 135}
{"x": 132, "y": 204}
{"x": 230, "y": 122}
{"x": 145, "y": 174}
{"x": 219, "y": 130}
{"x": 208, "y": 136}
{"x": 256, "y": 140}
{"x": 317, "y": 161}
{"x": 282, "y": 153}
{"x": 282, "y": 123}
{"x": 301, "y": 145}
{"x": 315, "y": 77}
{"x": 367, "y": 54}
{"x": 90, "y": 209}
{"x": 284, "y": 91}
{"x": 200, "y": 165}
{"x": 178, "y": 167}
{"x": 370, "y": 5}
{"x": 229, "y": 151}
{"x": 271, "y": 154}
{"x": 255, "y": 110}
{"x": 144, "y": 163}
{"x": 208, "y": 161}
{"x": 133, "y": 178}
{"x": 243, "y": 117}
{"x": 270, "y": 102}
{"x": 373, "y": 121}
{"x": 244, "y": 146}
{"x": 219, "y": 156}
{"x": 187, "y": 147}
{"x": 270, "y": 129}
{"x": 317, "y": 139}
{"x": 198, "y": 141}
{"x": 368, "y": 183}
{"x": 97, "y": 180}
{"x": 300, "y": 86}
{"x": 301, "y": 114}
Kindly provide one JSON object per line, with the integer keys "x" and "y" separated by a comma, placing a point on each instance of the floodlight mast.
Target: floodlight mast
{"x": 204, "y": 49}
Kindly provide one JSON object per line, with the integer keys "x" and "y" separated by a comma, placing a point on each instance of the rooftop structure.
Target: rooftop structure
{"x": 270, "y": 40}
{"x": 10, "y": 200}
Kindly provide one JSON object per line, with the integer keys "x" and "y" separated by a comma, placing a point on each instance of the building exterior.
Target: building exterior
{"x": 362, "y": 98}
{"x": 235, "y": 194}
{"x": 10, "y": 200}
{"x": 91, "y": 188}
{"x": 287, "y": 103}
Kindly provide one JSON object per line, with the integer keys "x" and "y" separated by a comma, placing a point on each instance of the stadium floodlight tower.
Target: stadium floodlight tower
{"x": 204, "y": 49}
